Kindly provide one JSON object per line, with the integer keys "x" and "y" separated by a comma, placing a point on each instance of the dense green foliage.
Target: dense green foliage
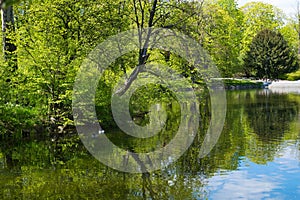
{"x": 259, "y": 16}
{"x": 269, "y": 56}
{"x": 50, "y": 39}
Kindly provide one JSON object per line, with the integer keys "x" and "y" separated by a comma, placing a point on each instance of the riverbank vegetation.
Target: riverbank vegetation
{"x": 44, "y": 43}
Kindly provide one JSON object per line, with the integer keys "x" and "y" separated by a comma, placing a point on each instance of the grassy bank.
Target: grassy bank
{"x": 237, "y": 84}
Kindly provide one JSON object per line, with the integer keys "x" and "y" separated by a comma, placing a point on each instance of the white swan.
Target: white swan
{"x": 95, "y": 135}
{"x": 101, "y": 131}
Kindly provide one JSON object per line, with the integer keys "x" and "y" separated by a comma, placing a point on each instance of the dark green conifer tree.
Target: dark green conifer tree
{"x": 269, "y": 56}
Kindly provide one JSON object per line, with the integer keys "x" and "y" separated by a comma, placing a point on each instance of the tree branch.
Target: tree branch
{"x": 142, "y": 53}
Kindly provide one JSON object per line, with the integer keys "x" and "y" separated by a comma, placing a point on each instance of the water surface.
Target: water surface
{"x": 256, "y": 157}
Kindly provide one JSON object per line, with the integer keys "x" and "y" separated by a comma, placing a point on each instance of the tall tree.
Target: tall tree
{"x": 222, "y": 23}
{"x": 53, "y": 38}
{"x": 259, "y": 16}
{"x": 269, "y": 56}
{"x": 159, "y": 14}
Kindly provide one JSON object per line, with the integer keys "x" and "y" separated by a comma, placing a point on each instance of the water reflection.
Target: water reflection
{"x": 256, "y": 157}
{"x": 277, "y": 180}
{"x": 270, "y": 114}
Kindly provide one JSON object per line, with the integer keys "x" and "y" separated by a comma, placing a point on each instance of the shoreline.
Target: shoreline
{"x": 275, "y": 86}
{"x": 242, "y": 84}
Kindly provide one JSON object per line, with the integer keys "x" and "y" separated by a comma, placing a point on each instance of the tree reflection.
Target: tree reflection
{"x": 270, "y": 114}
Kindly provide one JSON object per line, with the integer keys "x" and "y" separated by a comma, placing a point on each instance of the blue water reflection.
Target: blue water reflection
{"x": 279, "y": 179}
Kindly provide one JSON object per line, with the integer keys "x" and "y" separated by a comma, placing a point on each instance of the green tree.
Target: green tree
{"x": 295, "y": 20}
{"x": 222, "y": 22}
{"x": 269, "y": 56}
{"x": 259, "y": 16}
{"x": 53, "y": 37}
{"x": 291, "y": 35}
{"x": 158, "y": 14}
{"x": 291, "y": 31}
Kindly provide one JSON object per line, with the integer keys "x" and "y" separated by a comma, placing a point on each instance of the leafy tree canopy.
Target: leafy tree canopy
{"x": 259, "y": 16}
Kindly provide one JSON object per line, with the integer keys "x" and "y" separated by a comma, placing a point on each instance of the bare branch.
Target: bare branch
{"x": 162, "y": 16}
{"x": 136, "y": 15}
{"x": 143, "y": 13}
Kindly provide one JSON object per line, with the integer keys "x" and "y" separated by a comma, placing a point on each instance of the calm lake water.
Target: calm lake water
{"x": 257, "y": 157}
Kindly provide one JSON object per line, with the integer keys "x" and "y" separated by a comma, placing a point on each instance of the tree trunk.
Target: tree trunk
{"x": 143, "y": 55}
{"x": 9, "y": 48}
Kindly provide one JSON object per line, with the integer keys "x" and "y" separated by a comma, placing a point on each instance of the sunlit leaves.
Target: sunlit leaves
{"x": 259, "y": 16}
